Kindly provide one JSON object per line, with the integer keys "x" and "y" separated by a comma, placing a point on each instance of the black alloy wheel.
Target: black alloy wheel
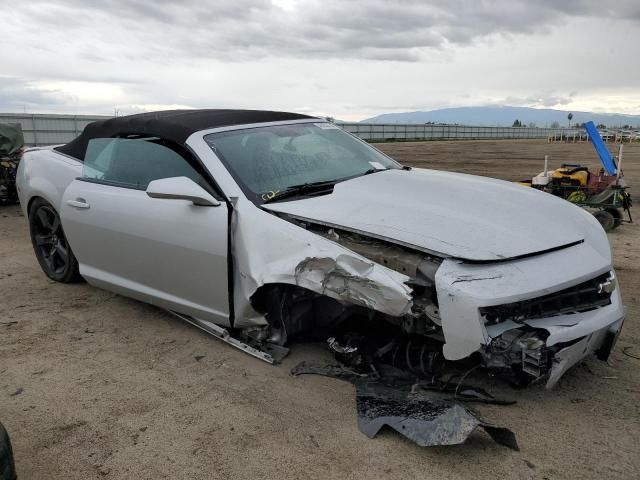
{"x": 50, "y": 244}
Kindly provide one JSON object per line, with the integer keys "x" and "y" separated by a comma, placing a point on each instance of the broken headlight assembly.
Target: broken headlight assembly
{"x": 524, "y": 351}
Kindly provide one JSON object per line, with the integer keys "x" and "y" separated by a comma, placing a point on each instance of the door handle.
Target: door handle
{"x": 78, "y": 203}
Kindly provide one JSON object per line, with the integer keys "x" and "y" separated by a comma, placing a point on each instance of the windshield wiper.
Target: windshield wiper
{"x": 310, "y": 187}
{"x": 374, "y": 170}
{"x": 302, "y": 189}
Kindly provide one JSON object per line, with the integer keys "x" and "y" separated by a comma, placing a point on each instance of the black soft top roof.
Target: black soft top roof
{"x": 173, "y": 125}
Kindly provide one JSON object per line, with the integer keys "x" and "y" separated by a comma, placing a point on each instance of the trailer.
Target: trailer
{"x": 602, "y": 192}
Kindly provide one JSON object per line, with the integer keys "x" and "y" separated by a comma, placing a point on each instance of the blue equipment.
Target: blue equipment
{"x": 601, "y": 148}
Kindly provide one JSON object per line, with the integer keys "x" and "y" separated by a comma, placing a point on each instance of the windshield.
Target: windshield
{"x": 268, "y": 160}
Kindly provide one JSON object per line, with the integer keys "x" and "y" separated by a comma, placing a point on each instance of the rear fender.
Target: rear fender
{"x": 45, "y": 174}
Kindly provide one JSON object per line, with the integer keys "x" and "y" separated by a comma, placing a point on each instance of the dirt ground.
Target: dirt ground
{"x": 94, "y": 385}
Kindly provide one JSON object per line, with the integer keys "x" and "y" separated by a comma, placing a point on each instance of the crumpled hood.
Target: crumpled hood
{"x": 451, "y": 214}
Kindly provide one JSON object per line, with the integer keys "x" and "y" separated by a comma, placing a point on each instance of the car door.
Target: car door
{"x": 168, "y": 252}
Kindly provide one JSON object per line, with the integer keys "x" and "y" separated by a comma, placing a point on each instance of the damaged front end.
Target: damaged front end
{"x": 386, "y": 308}
{"x": 526, "y": 319}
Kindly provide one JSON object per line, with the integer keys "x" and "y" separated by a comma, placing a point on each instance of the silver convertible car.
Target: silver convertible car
{"x": 262, "y": 227}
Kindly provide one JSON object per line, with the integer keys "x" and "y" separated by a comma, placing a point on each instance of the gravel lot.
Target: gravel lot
{"x": 94, "y": 385}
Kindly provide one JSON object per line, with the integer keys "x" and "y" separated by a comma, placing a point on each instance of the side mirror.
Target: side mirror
{"x": 181, "y": 188}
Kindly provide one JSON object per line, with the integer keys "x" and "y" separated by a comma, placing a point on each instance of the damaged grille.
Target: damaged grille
{"x": 589, "y": 295}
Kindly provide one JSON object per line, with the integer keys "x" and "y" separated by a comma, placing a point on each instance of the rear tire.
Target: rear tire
{"x": 7, "y": 466}
{"x": 605, "y": 218}
{"x": 617, "y": 216}
{"x": 50, "y": 244}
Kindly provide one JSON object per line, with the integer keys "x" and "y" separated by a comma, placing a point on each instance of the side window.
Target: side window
{"x": 134, "y": 162}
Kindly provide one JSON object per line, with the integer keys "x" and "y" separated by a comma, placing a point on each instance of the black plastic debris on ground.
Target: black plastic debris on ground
{"x": 427, "y": 414}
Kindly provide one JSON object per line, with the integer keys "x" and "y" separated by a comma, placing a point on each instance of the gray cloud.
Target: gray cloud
{"x": 252, "y": 29}
{"x": 540, "y": 100}
{"x": 346, "y": 58}
{"x": 16, "y": 93}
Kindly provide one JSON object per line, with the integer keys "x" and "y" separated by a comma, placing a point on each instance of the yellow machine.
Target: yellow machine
{"x": 571, "y": 176}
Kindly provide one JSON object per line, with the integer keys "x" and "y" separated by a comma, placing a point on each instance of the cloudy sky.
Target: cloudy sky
{"x": 350, "y": 59}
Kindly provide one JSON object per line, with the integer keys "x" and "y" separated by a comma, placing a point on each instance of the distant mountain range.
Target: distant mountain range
{"x": 505, "y": 116}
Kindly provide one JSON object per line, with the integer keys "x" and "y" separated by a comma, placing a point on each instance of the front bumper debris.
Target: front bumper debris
{"x": 428, "y": 414}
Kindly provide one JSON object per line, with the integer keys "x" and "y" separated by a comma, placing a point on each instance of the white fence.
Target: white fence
{"x": 43, "y": 129}
{"x": 387, "y": 132}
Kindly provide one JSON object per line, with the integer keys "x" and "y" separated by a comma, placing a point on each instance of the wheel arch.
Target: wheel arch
{"x": 44, "y": 189}
{"x": 33, "y": 199}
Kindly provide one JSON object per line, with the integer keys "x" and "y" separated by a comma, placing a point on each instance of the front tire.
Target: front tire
{"x": 50, "y": 244}
{"x": 7, "y": 466}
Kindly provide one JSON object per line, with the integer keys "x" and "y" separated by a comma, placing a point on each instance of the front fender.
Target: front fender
{"x": 267, "y": 249}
